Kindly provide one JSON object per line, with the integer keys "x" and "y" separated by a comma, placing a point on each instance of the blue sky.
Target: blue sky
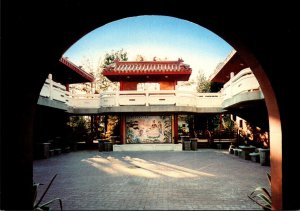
{"x": 150, "y": 36}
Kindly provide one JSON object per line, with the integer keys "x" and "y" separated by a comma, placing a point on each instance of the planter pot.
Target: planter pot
{"x": 231, "y": 149}
{"x": 264, "y": 157}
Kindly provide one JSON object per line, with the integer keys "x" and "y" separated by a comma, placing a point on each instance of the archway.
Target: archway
{"x": 72, "y": 20}
{"x": 274, "y": 116}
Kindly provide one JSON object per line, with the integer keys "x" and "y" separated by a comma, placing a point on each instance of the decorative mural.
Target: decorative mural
{"x": 148, "y": 129}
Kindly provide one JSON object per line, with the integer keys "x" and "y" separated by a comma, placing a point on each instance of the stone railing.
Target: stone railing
{"x": 244, "y": 81}
{"x": 84, "y": 101}
{"x": 54, "y": 91}
{"x": 162, "y": 97}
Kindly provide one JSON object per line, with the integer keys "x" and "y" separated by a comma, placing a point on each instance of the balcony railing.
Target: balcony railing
{"x": 162, "y": 97}
{"x": 54, "y": 91}
{"x": 244, "y": 81}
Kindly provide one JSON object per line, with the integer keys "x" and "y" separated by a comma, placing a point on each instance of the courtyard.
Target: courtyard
{"x": 207, "y": 179}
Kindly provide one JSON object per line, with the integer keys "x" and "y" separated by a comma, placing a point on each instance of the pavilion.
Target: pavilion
{"x": 148, "y": 127}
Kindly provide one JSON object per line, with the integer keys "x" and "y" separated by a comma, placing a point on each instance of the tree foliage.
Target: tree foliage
{"x": 111, "y": 57}
{"x": 228, "y": 123}
{"x": 102, "y": 83}
{"x": 203, "y": 84}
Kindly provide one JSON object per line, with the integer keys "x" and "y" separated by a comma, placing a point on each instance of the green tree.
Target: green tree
{"x": 228, "y": 123}
{"x": 111, "y": 57}
{"x": 102, "y": 83}
{"x": 203, "y": 84}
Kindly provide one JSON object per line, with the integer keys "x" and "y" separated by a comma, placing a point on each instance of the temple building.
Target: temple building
{"x": 148, "y": 88}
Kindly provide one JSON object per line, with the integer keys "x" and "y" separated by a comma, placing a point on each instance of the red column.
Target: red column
{"x": 122, "y": 129}
{"x": 221, "y": 125}
{"x": 175, "y": 128}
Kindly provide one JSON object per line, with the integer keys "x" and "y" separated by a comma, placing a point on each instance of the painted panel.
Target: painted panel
{"x": 148, "y": 129}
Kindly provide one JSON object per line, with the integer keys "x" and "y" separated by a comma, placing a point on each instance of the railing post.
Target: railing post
{"x": 147, "y": 98}
{"x": 117, "y": 95}
{"x": 231, "y": 84}
{"x": 50, "y": 86}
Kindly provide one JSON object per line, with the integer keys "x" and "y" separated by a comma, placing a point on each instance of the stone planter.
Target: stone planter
{"x": 264, "y": 156}
{"x": 194, "y": 145}
{"x": 100, "y": 145}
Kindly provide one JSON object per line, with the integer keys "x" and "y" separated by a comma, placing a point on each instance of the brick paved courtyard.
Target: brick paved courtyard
{"x": 189, "y": 180}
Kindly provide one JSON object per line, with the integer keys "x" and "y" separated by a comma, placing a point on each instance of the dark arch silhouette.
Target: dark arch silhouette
{"x": 34, "y": 35}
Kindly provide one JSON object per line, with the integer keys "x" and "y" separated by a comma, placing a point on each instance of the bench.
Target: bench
{"x": 254, "y": 156}
{"x": 201, "y": 142}
{"x": 57, "y": 151}
{"x": 246, "y": 150}
{"x": 237, "y": 151}
{"x": 67, "y": 149}
{"x": 51, "y": 152}
{"x": 223, "y": 141}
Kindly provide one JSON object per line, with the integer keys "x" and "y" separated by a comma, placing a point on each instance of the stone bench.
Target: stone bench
{"x": 67, "y": 149}
{"x": 255, "y": 156}
{"x": 237, "y": 152}
{"x": 246, "y": 150}
{"x": 57, "y": 151}
{"x": 219, "y": 142}
{"x": 51, "y": 152}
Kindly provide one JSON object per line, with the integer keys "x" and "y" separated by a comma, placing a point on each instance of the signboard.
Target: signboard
{"x": 148, "y": 129}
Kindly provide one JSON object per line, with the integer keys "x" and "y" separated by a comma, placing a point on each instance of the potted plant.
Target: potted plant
{"x": 37, "y": 205}
{"x": 264, "y": 151}
{"x": 261, "y": 196}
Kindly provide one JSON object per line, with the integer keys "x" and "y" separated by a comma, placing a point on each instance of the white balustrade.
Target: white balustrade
{"x": 45, "y": 92}
{"x": 244, "y": 81}
{"x": 54, "y": 91}
{"x": 209, "y": 100}
{"x": 131, "y": 98}
{"x": 162, "y": 97}
{"x": 84, "y": 101}
{"x": 186, "y": 98}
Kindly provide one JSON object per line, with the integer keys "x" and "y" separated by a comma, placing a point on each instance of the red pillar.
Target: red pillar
{"x": 122, "y": 129}
{"x": 175, "y": 129}
{"x": 221, "y": 125}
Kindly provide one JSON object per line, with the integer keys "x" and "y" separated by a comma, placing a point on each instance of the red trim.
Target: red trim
{"x": 148, "y": 70}
{"x": 233, "y": 63}
{"x": 81, "y": 72}
{"x": 131, "y": 73}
